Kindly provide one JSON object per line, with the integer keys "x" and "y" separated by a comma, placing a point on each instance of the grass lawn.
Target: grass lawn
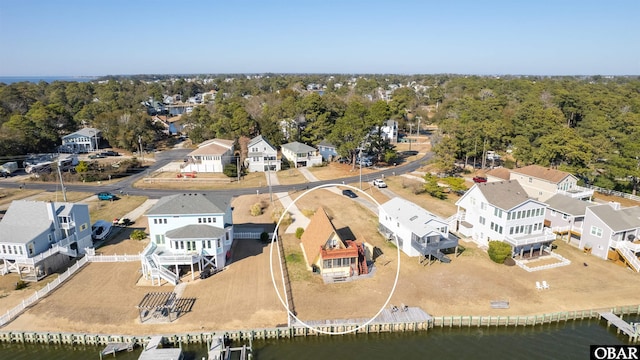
{"x": 336, "y": 170}
{"x": 108, "y": 210}
{"x": 404, "y": 187}
{"x": 8, "y": 195}
{"x": 57, "y": 196}
{"x": 290, "y": 177}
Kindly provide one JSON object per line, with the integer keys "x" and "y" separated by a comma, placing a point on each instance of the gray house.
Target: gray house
{"x": 82, "y": 141}
{"x": 328, "y": 151}
{"x": 37, "y": 237}
{"x": 612, "y": 233}
{"x": 565, "y": 216}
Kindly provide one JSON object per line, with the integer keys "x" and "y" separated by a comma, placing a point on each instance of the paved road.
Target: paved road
{"x": 165, "y": 157}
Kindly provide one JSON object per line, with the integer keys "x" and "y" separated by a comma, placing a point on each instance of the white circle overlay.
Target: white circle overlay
{"x": 286, "y": 306}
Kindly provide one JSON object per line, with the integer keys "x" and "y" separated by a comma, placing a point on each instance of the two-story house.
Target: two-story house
{"x": 502, "y": 211}
{"x": 612, "y": 232}
{"x": 185, "y": 230}
{"x": 565, "y": 216}
{"x": 82, "y": 141}
{"x": 210, "y": 157}
{"x": 262, "y": 156}
{"x": 327, "y": 150}
{"x": 541, "y": 183}
{"x": 390, "y": 131}
{"x": 301, "y": 155}
{"x": 416, "y": 231}
{"x": 38, "y": 237}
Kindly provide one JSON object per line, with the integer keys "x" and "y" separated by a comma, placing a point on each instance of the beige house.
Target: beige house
{"x": 210, "y": 157}
{"x": 542, "y": 183}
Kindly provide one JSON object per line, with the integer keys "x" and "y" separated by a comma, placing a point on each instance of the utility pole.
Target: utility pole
{"x": 418, "y": 134}
{"x": 238, "y": 167}
{"x": 140, "y": 146}
{"x": 269, "y": 179}
{"x": 360, "y": 161}
{"x": 64, "y": 191}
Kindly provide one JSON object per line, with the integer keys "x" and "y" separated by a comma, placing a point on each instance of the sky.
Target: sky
{"x": 491, "y": 37}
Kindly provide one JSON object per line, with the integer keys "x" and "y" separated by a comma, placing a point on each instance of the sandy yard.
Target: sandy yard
{"x": 102, "y": 297}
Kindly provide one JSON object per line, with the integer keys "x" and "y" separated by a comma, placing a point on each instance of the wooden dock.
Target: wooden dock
{"x": 113, "y": 348}
{"x": 612, "y": 319}
{"x": 387, "y": 316}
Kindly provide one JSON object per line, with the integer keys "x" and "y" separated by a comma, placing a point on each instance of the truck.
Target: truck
{"x": 8, "y": 168}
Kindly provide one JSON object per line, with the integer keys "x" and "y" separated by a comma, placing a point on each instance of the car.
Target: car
{"x": 96, "y": 156}
{"x": 106, "y": 196}
{"x": 379, "y": 183}
{"x": 122, "y": 222}
{"x": 364, "y": 162}
{"x": 344, "y": 160}
{"x": 479, "y": 179}
{"x": 349, "y": 193}
{"x": 109, "y": 153}
{"x": 100, "y": 230}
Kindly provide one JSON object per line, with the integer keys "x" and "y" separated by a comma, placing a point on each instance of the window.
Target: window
{"x": 165, "y": 221}
{"x": 596, "y": 231}
{"x": 83, "y": 227}
{"x": 497, "y": 212}
{"x": 530, "y": 180}
{"x": 565, "y": 217}
{"x": 483, "y": 205}
{"x": 337, "y": 262}
{"x": 529, "y": 213}
{"x": 208, "y": 244}
{"x": 218, "y": 243}
{"x": 508, "y": 216}
{"x": 552, "y": 213}
{"x": 482, "y": 220}
{"x": 199, "y": 220}
{"x": 155, "y": 221}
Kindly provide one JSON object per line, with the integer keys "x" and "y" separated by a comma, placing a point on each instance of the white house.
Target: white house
{"x": 612, "y": 232}
{"x": 82, "y": 141}
{"x": 38, "y": 237}
{"x": 542, "y": 183}
{"x": 390, "y": 131}
{"x": 262, "y": 156}
{"x": 211, "y": 156}
{"x": 187, "y": 229}
{"x": 414, "y": 230}
{"x": 301, "y": 155}
{"x": 502, "y": 211}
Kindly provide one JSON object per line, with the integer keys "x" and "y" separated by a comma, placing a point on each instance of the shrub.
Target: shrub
{"x": 299, "y": 232}
{"x": 21, "y": 284}
{"x": 138, "y": 235}
{"x": 499, "y": 251}
{"x": 256, "y": 209}
{"x": 231, "y": 170}
{"x": 286, "y": 219}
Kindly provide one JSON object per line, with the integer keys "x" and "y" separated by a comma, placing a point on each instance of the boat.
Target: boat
{"x": 100, "y": 230}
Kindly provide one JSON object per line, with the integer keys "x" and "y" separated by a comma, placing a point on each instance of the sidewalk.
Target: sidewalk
{"x": 272, "y": 178}
{"x": 299, "y": 220}
{"x": 308, "y": 175}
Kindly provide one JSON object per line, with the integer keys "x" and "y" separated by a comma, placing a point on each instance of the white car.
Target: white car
{"x": 100, "y": 230}
{"x": 379, "y": 183}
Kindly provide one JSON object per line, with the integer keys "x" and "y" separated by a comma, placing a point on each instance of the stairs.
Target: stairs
{"x": 362, "y": 261}
{"x": 439, "y": 255}
{"x": 629, "y": 256}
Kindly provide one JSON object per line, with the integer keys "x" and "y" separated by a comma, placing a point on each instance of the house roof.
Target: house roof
{"x": 503, "y": 194}
{"x": 257, "y": 139}
{"x": 297, "y": 147}
{"x": 87, "y": 132}
{"x": 325, "y": 143}
{"x": 196, "y": 231}
{"x": 568, "y": 205}
{"x": 213, "y": 147}
{"x": 190, "y": 204}
{"x": 499, "y": 172}
{"x": 618, "y": 220}
{"x": 317, "y": 233}
{"x": 540, "y": 172}
{"x": 25, "y": 219}
{"x": 413, "y": 217}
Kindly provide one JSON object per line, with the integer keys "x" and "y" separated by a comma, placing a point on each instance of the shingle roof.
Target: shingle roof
{"x": 540, "y": 172}
{"x": 618, "y": 220}
{"x": 196, "y": 232}
{"x": 317, "y": 233}
{"x": 27, "y": 219}
{"x": 325, "y": 143}
{"x": 213, "y": 147}
{"x": 568, "y": 205}
{"x": 257, "y": 139}
{"x": 192, "y": 203}
{"x": 499, "y": 172}
{"x": 298, "y": 148}
{"x": 88, "y": 132}
{"x": 503, "y": 194}
{"x": 411, "y": 216}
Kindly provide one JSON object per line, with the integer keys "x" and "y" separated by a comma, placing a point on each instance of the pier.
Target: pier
{"x": 631, "y": 330}
{"x": 113, "y": 348}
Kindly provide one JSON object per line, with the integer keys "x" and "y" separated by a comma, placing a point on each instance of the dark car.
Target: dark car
{"x": 96, "y": 156}
{"x": 109, "y": 153}
{"x": 349, "y": 193}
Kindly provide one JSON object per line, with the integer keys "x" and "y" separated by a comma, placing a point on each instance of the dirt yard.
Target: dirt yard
{"x": 102, "y": 298}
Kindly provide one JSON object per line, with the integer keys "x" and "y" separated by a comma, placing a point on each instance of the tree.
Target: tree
{"x": 231, "y": 170}
{"x": 432, "y": 188}
{"x": 299, "y": 232}
{"x": 499, "y": 251}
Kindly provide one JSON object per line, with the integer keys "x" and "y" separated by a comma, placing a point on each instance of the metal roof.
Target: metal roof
{"x": 412, "y": 216}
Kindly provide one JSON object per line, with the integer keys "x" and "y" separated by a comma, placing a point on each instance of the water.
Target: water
{"x": 49, "y": 79}
{"x": 568, "y": 340}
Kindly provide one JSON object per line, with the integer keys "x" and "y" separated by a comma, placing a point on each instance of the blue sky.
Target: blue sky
{"x": 540, "y": 37}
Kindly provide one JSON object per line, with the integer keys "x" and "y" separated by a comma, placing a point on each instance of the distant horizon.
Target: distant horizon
{"x": 404, "y": 37}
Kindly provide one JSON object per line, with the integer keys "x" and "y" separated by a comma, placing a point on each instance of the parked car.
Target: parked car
{"x": 96, "y": 156}
{"x": 106, "y": 196}
{"x": 349, "y": 193}
{"x": 100, "y": 230}
{"x": 479, "y": 179}
{"x": 379, "y": 183}
{"x": 122, "y": 222}
{"x": 365, "y": 162}
{"x": 109, "y": 153}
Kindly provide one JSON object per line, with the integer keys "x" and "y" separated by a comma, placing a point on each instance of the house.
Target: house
{"x": 185, "y": 230}
{"x": 262, "y": 156}
{"x": 502, "y": 211}
{"x": 414, "y": 230}
{"x": 565, "y": 216}
{"x": 542, "y": 183}
{"x": 83, "y": 140}
{"x": 39, "y": 237}
{"x": 498, "y": 174}
{"x": 390, "y": 131}
{"x": 327, "y": 150}
{"x": 612, "y": 232}
{"x": 301, "y": 155}
{"x": 211, "y": 156}
{"x": 327, "y": 253}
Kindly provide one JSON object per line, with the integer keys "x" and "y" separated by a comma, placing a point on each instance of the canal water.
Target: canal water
{"x": 564, "y": 340}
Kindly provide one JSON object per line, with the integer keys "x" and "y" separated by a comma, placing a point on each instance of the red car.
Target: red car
{"x": 479, "y": 179}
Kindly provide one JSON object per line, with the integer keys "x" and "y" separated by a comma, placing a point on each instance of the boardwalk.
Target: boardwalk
{"x": 623, "y": 326}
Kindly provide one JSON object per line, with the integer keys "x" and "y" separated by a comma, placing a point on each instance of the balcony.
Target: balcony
{"x": 545, "y": 237}
{"x": 633, "y": 246}
{"x": 578, "y": 192}
{"x": 430, "y": 247}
